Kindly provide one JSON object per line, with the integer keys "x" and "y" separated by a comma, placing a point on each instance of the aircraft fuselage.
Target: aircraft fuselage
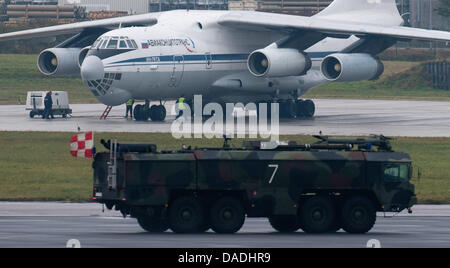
{"x": 188, "y": 53}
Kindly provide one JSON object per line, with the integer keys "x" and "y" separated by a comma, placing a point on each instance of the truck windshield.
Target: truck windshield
{"x": 397, "y": 172}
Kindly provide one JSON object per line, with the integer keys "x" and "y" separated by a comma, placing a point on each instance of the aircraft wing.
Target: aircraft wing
{"x": 327, "y": 26}
{"x": 75, "y": 28}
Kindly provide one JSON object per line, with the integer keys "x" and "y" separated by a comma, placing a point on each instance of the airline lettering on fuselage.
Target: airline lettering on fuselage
{"x": 153, "y": 59}
{"x": 188, "y": 43}
{"x": 169, "y": 42}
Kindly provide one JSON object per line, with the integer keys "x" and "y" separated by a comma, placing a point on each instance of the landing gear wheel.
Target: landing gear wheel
{"x": 138, "y": 112}
{"x": 158, "y": 113}
{"x": 186, "y": 215}
{"x": 308, "y": 108}
{"x": 288, "y": 109}
{"x": 227, "y": 215}
{"x": 141, "y": 113}
{"x": 152, "y": 225}
{"x": 153, "y": 112}
{"x": 299, "y": 106}
{"x": 285, "y": 223}
{"x": 358, "y": 215}
{"x": 317, "y": 215}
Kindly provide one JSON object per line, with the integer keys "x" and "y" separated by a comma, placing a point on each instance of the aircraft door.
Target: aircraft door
{"x": 177, "y": 72}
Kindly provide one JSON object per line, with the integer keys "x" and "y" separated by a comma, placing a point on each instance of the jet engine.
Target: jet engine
{"x": 351, "y": 67}
{"x": 82, "y": 55}
{"x": 59, "y": 62}
{"x": 278, "y": 62}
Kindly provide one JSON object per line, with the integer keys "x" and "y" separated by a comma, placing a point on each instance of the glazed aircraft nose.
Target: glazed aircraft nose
{"x": 92, "y": 69}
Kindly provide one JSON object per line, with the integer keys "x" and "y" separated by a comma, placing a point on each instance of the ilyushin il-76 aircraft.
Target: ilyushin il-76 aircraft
{"x": 226, "y": 56}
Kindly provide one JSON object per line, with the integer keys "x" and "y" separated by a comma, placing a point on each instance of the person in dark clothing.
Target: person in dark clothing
{"x": 48, "y": 104}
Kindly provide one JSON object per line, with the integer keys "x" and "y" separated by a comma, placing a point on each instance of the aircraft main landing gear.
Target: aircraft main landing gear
{"x": 305, "y": 108}
{"x": 290, "y": 109}
{"x": 158, "y": 113}
{"x": 155, "y": 112}
{"x": 140, "y": 113}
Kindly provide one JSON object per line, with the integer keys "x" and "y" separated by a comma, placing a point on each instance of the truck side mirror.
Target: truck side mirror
{"x": 419, "y": 172}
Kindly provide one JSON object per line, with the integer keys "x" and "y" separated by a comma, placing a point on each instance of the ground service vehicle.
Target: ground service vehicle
{"x": 35, "y": 103}
{"x": 321, "y": 187}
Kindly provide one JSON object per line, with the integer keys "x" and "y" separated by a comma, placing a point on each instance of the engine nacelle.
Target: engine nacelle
{"x": 278, "y": 62}
{"x": 82, "y": 55}
{"x": 351, "y": 67}
{"x": 59, "y": 62}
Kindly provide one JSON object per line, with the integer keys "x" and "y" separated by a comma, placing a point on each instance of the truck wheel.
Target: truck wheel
{"x": 317, "y": 215}
{"x": 186, "y": 215}
{"x": 109, "y": 205}
{"x": 358, "y": 215}
{"x": 227, "y": 215}
{"x": 336, "y": 225}
{"x": 205, "y": 227}
{"x": 153, "y": 225}
{"x": 285, "y": 223}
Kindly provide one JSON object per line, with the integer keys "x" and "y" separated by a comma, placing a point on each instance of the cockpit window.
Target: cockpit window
{"x": 134, "y": 44}
{"x": 96, "y": 43}
{"x": 104, "y": 43}
{"x": 130, "y": 45}
{"x": 114, "y": 42}
{"x": 123, "y": 44}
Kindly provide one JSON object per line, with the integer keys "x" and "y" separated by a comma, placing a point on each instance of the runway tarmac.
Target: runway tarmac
{"x": 333, "y": 117}
{"x": 54, "y": 224}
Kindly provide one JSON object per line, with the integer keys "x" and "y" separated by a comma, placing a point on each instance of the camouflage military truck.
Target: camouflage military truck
{"x": 320, "y": 187}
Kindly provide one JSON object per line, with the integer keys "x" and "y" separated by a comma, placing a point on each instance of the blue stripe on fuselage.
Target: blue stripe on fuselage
{"x": 204, "y": 57}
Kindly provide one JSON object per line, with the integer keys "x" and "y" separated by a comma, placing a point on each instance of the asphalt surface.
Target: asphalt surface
{"x": 54, "y": 224}
{"x": 333, "y": 117}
